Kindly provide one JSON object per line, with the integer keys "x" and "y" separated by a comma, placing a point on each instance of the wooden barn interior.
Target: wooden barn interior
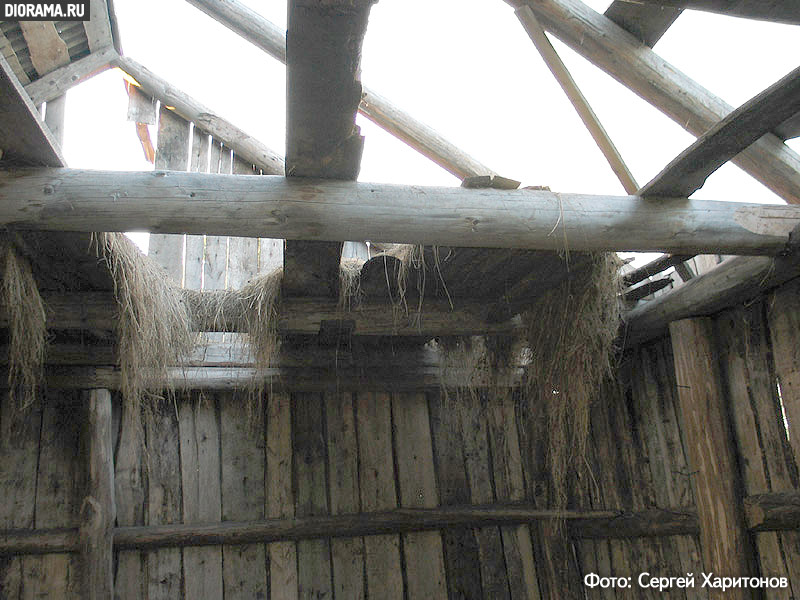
{"x": 482, "y": 401}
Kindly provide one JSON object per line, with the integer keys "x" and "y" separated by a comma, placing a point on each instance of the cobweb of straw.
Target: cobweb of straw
{"x": 27, "y": 327}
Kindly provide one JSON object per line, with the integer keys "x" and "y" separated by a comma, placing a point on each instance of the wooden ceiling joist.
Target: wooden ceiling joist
{"x": 646, "y": 23}
{"x": 319, "y": 210}
{"x": 244, "y": 145}
{"x": 755, "y": 118}
{"x": 24, "y": 138}
{"x": 778, "y": 11}
{"x": 636, "y": 66}
{"x": 265, "y": 35}
{"x": 323, "y": 56}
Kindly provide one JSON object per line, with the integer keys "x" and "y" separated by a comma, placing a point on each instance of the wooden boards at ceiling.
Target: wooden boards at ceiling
{"x": 23, "y": 136}
{"x": 323, "y": 51}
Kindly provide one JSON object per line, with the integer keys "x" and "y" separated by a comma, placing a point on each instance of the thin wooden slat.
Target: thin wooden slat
{"x": 424, "y": 562}
{"x": 280, "y": 498}
{"x": 19, "y": 452}
{"x": 347, "y": 554}
{"x": 54, "y": 117}
{"x": 201, "y": 493}
{"x": 215, "y": 251}
{"x": 314, "y": 573}
{"x": 383, "y": 568}
{"x": 725, "y": 543}
{"x": 743, "y": 126}
{"x": 461, "y": 555}
{"x": 164, "y": 499}
{"x": 59, "y": 490}
{"x": 242, "y": 252}
{"x": 243, "y": 497}
{"x": 98, "y": 26}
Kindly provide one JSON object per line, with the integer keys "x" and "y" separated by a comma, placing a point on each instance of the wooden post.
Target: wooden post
{"x": 726, "y": 547}
{"x": 98, "y": 512}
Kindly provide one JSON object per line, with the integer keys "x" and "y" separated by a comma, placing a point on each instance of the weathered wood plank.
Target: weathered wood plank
{"x": 323, "y": 210}
{"x": 172, "y": 152}
{"x": 98, "y": 26}
{"x": 743, "y": 126}
{"x": 193, "y": 253}
{"x": 314, "y": 574}
{"x": 772, "y": 10}
{"x": 191, "y": 110}
{"x": 164, "y": 505}
{"x": 724, "y": 541}
{"x": 242, "y": 252}
{"x": 378, "y": 490}
{"x": 47, "y": 50}
{"x": 19, "y": 452}
{"x": 12, "y": 59}
{"x": 243, "y": 496}
{"x": 201, "y": 493}
{"x": 99, "y": 511}
{"x": 461, "y": 554}
{"x": 280, "y": 497}
{"x": 424, "y": 563}
{"x": 55, "y": 83}
{"x": 646, "y": 23}
{"x": 617, "y": 52}
{"x": 347, "y": 555}
{"x": 23, "y": 136}
{"x": 54, "y": 117}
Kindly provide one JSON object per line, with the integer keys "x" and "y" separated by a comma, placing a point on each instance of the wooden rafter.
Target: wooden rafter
{"x": 778, "y": 11}
{"x": 755, "y": 118}
{"x": 57, "y": 82}
{"x": 614, "y": 50}
{"x": 646, "y": 23}
{"x": 319, "y": 210}
{"x": 23, "y": 136}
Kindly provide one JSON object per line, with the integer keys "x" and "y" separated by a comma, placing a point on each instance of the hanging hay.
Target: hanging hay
{"x": 27, "y": 327}
{"x": 154, "y": 325}
{"x": 570, "y": 333}
{"x": 350, "y": 294}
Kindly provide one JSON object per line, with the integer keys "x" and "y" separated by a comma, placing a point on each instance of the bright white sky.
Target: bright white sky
{"x": 465, "y": 67}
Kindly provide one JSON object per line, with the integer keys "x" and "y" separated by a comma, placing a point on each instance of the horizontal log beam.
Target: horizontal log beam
{"x": 766, "y": 512}
{"x": 777, "y": 11}
{"x": 173, "y": 202}
{"x": 272, "y": 39}
{"x": 55, "y": 83}
{"x": 242, "y": 144}
{"x": 733, "y": 281}
{"x": 756, "y": 117}
{"x": 621, "y": 55}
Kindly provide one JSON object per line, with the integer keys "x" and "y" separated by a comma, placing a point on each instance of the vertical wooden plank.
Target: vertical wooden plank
{"x": 164, "y": 568}
{"x": 193, "y": 253}
{"x": 200, "y": 479}
{"x": 313, "y": 556}
{"x": 784, "y": 327}
{"x": 242, "y": 252}
{"x": 270, "y": 255}
{"x": 172, "y": 153}
{"x": 725, "y": 543}
{"x": 425, "y": 571}
{"x": 378, "y": 492}
{"x": 280, "y": 498}
{"x": 97, "y": 518}
{"x": 59, "y": 491}
{"x": 19, "y": 451}
{"x": 765, "y": 455}
{"x": 510, "y": 487}
{"x": 54, "y": 117}
{"x": 347, "y": 554}
{"x": 462, "y": 560}
{"x": 130, "y": 483}
{"x": 243, "y": 497}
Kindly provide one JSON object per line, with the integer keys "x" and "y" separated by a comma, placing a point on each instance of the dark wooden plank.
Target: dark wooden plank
{"x": 777, "y": 11}
{"x": 24, "y": 139}
{"x": 654, "y": 267}
{"x": 645, "y": 23}
{"x": 753, "y": 119}
{"x": 323, "y": 54}
{"x": 790, "y": 128}
{"x": 314, "y": 573}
